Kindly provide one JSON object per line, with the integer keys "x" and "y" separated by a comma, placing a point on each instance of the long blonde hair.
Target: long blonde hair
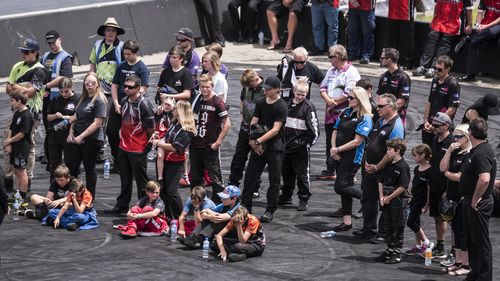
{"x": 214, "y": 59}
{"x": 98, "y": 91}
{"x": 185, "y": 116}
{"x": 365, "y": 107}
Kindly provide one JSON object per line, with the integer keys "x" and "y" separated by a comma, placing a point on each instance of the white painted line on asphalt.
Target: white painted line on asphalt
{"x": 69, "y": 9}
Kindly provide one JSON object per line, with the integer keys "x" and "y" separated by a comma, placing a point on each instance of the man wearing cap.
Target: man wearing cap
{"x": 212, "y": 126}
{"x": 28, "y": 77}
{"x": 272, "y": 113}
{"x": 107, "y": 54}
{"x": 444, "y": 96}
{"x": 58, "y": 64}
{"x": 185, "y": 39}
{"x": 214, "y": 220}
{"x": 440, "y": 123}
{"x": 476, "y": 185}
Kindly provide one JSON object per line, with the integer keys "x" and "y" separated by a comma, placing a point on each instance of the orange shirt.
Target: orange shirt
{"x": 86, "y": 198}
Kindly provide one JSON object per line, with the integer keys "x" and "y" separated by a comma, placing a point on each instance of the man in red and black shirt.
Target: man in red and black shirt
{"x": 488, "y": 27}
{"x": 212, "y": 125}
{"x": 135, "y": 132}
{"x": 394, "y": 81}
{"x": 445, "y": 26}
{"x": 444, "y": 97}
{"x": 402, "y": 29}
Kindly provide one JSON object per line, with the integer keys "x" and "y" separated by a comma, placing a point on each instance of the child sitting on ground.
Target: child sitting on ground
{"x": 146, "y": 218}
{"x": 162, "y": 122}
{"x": 420, "y": 200}
{"x": 77, "y": 211}
{"x": 250, "y": 241}
{"x": 392, "y": 186}
{"x": 56, "y": 196}
{"x": 197, "y": 202}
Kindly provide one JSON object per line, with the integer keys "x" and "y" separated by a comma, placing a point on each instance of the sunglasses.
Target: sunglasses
{"x": 384, "y": 58}
{"x": 90, "y": 83}
{"x": 458, "y": 137}
{"x": 439, "y": 69}
{"x": 182, "y": 40}
{"x": 437, "y": 125}
{"x": 382, "y": 105}
{"x": 130, "y": 87}
{"x": 351, "y": 98}
{"x": 26, "y": 52}
{"x": 299, "y": 62}
{"x": 332, "y": 56}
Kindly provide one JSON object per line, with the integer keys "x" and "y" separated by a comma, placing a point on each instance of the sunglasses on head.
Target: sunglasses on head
{"x": 130, "y": 87}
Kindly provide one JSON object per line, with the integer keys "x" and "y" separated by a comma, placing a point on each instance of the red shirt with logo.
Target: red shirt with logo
{"x": 137, "y": 117}
{"x": 491, "y": 10}
{"x": 448, "y": 15}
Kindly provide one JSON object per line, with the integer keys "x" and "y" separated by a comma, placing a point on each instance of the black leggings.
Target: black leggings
{"x": 172, "y": 172}
{"x": 344, "y": 184}
{"x": 87, "y": 153}
{"x": 416, "y": 205}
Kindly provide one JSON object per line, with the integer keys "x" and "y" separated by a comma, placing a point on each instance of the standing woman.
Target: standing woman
{"x": 86, "y": 134}
{"x": 451, "y": 166}
{"x": 211, "y": 63}
{"x": 59, "y": 113}
{"x": 348, "y": 143}
{"x": 175, "y": 144}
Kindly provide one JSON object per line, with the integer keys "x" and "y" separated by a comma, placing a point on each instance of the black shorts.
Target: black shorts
{"x": 18, "y": 162}
{"x": 434, "y": 201}
{"x": 458, "y": 227}
{"x": 278, "y": 9}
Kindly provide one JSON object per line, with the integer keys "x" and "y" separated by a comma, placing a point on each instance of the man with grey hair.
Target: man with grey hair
{"x": 291, "y": 69}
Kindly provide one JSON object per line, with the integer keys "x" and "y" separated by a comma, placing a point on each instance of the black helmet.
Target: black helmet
{"x": 447, "y": 209}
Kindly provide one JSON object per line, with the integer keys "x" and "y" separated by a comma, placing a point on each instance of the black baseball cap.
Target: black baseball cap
{"x": 29, "y": 44}
{"x": 52, "y": 36}
{"x": 272, "y": 82}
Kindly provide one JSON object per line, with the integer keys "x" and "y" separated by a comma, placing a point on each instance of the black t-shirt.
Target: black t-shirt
{"x": 397, "y": 84}
{"x": 59, "y": 191}
{"x": 180, "y": 80}
{"x": 437, "y": 181}
{"x": 456, "y": 161}
{"x": 85, "y": 114}
{"x": 21, "y": 122}
{"x": 157, "y": 204}
{"x": 270, "y": 113}
{"x": 420, "y": 182}
{"x": 124, "y": 70}
{"x": 481, "y": 159}
{"x": 396, "y": 175}
{"x": 443, "y": 95}
{"x": 65, "y": 107}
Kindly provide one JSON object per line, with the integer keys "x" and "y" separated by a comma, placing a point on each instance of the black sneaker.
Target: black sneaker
{"x": 49, "y": 221}
{"x": 72, "y": 226}
{"x": 285, "y": 200}
{"x": 30, "y": 213}
{"x": 394, "y": 258}
{"x": 378, "y": 240}
{"x": 462, "y": 43}
{"x": 364, "y": 61}
{"x": 302, "y": 206}
{"x": 386, "y": 255}
{"x": 193, "y": 241}
{"x": 361, "y": 234}
{"x": 266, "y": 217}
{"x": 438, "y": 253}
{"x": 469, "y": 77}
{"x": 337, "y": 214}
{"x": 234, "y": 257}
{"x": 342, "y": 227}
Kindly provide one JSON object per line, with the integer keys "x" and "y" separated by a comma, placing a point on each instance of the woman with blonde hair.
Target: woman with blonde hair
{"x": 86, "y": 133}
{"x": 176, "y": 142}
{"x": 348, "y": 142}
{"x": 211, "y": 63}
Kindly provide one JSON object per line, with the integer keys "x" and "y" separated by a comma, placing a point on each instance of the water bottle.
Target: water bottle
{"x": 61, "y": 125}
{"x": 173, "y": 231}
{"x": 206, "y": 247}
{"x": 261, "y": 38}
{"x": 327, "y": 234}
{"x": 106, "y": 169}
{"x": 152, "y": 153}
{"x": 428, "y": 256}
{"x": 17, "y": 204}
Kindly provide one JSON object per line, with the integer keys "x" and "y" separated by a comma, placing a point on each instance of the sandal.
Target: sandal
{"x": 287, "y": 50}
{"x": 452, "y": 268}
{"x": 273, "y": 46}
{"x": 459, "y": 272}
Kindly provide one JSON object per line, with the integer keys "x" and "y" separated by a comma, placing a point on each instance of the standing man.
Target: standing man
{"x": 132, "y": 65}
{"x": 389, "y": 126}
{"x": 361, "y": 18}
{"x": 212, "y": 125}
{"x": 208, "y": 17}
{"x": 252, "y": 92}
{"x": 185, "y": 39}
{"x": 395, "y": 81}
{"x": 324, "y": 11}
{"x": 271, "y": 113}
{"x": 28, "y": 77}
{"x": 58, "y": 64}
{"x": 476, "y": 184}
{"x": 248, "y": 19}
{"x": 402, "y": 29}
{"x": 137, "y": 126}
{"x": 444, "y": 96}
{"x": 299, "y": 67}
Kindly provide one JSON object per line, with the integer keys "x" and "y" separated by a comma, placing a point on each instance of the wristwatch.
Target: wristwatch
{"x": 257, "y": 142}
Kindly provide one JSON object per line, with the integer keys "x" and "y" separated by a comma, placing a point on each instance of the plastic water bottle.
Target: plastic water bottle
{"x": 17, "y": 204}
{"x": 206, "y": 247}
{"x": 106, "y": 169}
{"x": 261, "y": 38}
{"x": 61, "y": 125}
{"x": 428, "y": 256}
{"x": 173, "y": 231}
{"x": 152, "y": 153}
{"x": 327, "y": 234}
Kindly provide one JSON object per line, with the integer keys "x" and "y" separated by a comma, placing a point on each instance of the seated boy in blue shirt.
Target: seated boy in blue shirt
{"x": 196, "y": 202}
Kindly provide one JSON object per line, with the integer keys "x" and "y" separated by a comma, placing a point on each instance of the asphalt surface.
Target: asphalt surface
{"x": 294, "y": 249}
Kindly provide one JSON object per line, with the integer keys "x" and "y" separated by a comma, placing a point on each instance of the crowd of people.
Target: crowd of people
{"x": 454, "y": 179}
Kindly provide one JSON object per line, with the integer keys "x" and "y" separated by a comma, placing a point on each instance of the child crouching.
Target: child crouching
{"x": 146, "y": 218}
{"x": 77, "y": 212}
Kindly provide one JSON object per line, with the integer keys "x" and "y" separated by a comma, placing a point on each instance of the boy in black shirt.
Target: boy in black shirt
{"x": 18, "y": 143}
{"x": 392, "y": 187}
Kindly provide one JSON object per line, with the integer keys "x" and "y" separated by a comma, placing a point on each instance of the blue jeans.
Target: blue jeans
{"x": 360, "y": 29}
{"x": 321, "y": 14}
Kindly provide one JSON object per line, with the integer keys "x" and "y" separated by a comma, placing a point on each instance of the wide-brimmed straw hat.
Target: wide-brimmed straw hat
{"x": 110, "y": 22}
